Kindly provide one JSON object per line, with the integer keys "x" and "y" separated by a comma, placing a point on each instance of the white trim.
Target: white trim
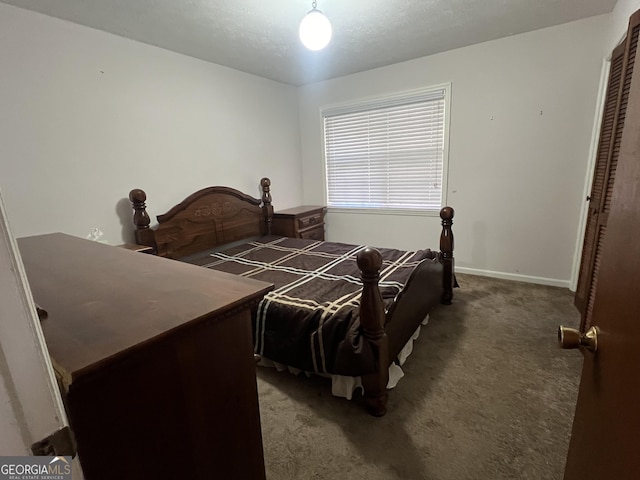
{"x": 334, "y": 108}
{"x": 32, "y": 386}
{"x": 553, "y": 282}
{"x": 385, "y": 211}
{"x": 398, "y": 97}
{"x": 593, "y": 152}
{"x": 447, "y": 133}
{"x": 33, "y": 403}
{"x": 323, "y": 149}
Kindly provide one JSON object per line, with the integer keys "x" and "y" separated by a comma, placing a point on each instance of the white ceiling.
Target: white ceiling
{"x": 261, "y": 37}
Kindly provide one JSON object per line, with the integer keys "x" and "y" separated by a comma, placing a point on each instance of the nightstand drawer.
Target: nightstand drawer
{"x": 313, "y": 234}
{"x": 310, "y": 221}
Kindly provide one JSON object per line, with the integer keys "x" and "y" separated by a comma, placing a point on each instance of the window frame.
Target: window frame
{"x": 370, "y": 103}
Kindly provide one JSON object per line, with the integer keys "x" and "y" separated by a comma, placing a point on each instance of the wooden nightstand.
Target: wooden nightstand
{"x": 306, "y": 221}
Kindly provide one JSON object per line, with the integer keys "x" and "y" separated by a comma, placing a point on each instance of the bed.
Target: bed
{"x": 340, "y": 310}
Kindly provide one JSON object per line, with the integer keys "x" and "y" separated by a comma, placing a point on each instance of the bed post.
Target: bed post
{"x": 446, "y": 254}
{"x": 267, "y": 208}
{"x": 143, "y": 234}
{"x": 372, "y": 319}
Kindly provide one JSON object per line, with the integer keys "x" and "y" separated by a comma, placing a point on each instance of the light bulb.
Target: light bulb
{"x": 315, "y": 30}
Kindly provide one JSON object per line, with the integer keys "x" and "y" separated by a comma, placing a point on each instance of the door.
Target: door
{"x": 30, "y": 405}
{"x": 611, "y": 131}
{"x": 605, "y": 441}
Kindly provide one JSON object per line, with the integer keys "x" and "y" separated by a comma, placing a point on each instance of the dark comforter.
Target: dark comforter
{"x": 310, "y": 320}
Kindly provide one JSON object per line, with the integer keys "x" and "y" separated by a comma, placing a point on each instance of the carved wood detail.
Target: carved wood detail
{"x": 209, "y": 217}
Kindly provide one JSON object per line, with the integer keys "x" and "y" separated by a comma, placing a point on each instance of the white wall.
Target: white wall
{"x": 618, "y": 21}
{"x": 86, "y": 116}
{"x": 522, "y": 116}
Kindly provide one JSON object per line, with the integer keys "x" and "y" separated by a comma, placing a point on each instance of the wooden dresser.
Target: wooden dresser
{"x": 154, "y": 358}
{"x": 306, "y": 221}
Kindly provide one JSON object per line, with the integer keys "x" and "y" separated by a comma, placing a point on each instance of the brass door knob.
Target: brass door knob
{"x": 572, "y": 338}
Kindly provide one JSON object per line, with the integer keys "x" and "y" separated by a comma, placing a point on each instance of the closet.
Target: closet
{"x": 604, "y": 176}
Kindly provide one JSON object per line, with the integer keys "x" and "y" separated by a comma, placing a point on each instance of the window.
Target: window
{"x": 388, "y": 154}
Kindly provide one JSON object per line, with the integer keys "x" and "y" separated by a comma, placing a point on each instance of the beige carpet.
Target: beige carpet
{"x": 487, "y": 395}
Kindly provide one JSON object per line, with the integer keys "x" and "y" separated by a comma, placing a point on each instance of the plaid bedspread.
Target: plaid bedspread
{"x": 310, "y": 320}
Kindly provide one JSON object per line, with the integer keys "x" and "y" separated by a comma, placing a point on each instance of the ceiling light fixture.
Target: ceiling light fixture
{"x": 315, "y": 29}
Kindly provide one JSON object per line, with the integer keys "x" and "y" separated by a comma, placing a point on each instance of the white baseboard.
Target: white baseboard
{"x": 516, "y": 277}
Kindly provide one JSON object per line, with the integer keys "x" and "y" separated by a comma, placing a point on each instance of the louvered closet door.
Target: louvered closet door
{"x": 622, "y": 65}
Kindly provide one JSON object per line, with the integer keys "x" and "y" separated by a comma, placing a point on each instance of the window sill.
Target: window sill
{"x": 385, "y": 211}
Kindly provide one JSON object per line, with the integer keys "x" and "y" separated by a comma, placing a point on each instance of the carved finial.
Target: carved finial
{"x": 446, "y": 237}
{"x": 369, "y": 263}
{"x": 447, "y": 213}
{"x": 137, "y": 196}
{"x": 267, "y": 208}
{"x": 265, "y": 183}
{"x": 140, "y": 217}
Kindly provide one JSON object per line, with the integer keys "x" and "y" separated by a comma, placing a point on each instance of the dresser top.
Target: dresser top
{"x": 104, "y": 302}
{"x": 299, "y": 210}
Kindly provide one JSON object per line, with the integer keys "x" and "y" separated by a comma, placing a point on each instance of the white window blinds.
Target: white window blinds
{"x": 387, "y": 153}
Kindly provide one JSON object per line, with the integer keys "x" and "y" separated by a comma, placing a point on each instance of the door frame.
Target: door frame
{"x": 593, "y": 152}
{"x": 586, "y": 191}
{"x": 32, "y": 404}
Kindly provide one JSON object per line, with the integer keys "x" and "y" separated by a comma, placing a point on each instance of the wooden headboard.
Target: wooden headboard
{"x": 210, "y": 217}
